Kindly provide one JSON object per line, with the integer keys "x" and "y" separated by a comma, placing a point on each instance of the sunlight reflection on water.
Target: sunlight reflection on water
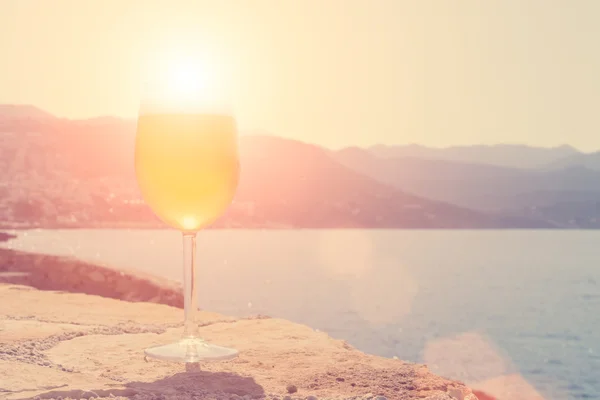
{"x": 473, "y": 358}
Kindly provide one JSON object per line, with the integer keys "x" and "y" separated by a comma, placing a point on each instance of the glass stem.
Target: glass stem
{"x": 190, "y": 285}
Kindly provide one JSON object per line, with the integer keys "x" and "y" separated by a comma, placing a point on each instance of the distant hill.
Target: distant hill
{"x": 535, "y": 193}
{"x": 60, "y": 172}
{"x": 20, "y": 112}
{"x": 506, "y": 155}
{"x": 56, "y": 172}
{"x": 590, "y": 161}
{"x": 302, "y": 185}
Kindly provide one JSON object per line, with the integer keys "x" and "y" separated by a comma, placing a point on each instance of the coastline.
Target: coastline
{"x": 67, "y": 274}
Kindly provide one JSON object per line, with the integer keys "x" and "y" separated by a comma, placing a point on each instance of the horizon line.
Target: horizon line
{"x": 264, "y": 132}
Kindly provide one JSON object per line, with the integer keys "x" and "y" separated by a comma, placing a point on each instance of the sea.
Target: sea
{"x": 515, "y": 312}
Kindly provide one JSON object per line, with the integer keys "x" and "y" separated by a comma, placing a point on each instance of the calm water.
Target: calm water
{"x": 478, "y": 306}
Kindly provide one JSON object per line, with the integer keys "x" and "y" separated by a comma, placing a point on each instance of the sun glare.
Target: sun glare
{"x": 185, "y": 79}
{"x": 180, "y": 80}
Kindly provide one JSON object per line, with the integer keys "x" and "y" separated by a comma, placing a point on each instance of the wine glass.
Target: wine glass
{"x": 187, "y": 167}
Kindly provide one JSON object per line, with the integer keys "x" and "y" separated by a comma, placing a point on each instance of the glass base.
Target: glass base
{"x": 191, "y": 351}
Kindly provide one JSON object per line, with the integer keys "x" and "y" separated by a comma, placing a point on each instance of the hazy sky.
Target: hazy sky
{"x": 334, "y": 72}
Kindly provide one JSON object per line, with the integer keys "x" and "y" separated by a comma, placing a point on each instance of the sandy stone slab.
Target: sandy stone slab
{"x": 22, "y": 330}
{"x": 20, "y": 380}
{"x": 56, "y": 344}
{"x": 77, "y": 308}
{"x": 273, "y": 355}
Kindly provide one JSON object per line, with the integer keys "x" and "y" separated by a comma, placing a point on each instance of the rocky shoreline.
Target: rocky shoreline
{"x": 71, "y": 329}
{"x": 47, "y": 272}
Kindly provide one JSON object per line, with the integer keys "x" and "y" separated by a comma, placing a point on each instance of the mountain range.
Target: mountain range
{"x": 79, "y": 173}
{"x": 504, "y": 155}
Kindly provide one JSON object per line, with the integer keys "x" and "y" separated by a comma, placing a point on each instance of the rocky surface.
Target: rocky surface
{"x": 73, "y": 345}
{"x": 48, "y": 272}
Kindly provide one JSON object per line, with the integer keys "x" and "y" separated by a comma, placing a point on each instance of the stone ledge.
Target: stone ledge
{"x": 55, "y": 344}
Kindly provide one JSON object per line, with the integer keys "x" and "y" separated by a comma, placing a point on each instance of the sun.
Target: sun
{"x": 185, "y": 78}
{"x": 179, "y": 80}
